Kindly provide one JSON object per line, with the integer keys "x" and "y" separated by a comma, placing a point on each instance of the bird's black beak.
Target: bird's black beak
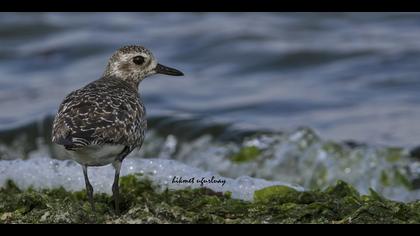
{"x": 161, "y": 69}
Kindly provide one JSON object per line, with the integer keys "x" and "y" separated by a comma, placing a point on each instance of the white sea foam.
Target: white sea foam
{"x": 44, "y": 172}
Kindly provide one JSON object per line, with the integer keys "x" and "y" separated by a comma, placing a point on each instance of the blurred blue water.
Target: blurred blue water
{"x": 347, "y": 75}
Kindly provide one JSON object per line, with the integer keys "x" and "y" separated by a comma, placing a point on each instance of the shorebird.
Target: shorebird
{"x": 104, "y": 121}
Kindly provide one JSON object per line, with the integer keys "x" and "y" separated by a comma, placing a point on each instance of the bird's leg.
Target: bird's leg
{"x": 115, "y": 187}
{"x": 89, "y": 188}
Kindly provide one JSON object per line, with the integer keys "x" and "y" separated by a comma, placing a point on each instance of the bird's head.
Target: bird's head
{"x": 134, "y": 63}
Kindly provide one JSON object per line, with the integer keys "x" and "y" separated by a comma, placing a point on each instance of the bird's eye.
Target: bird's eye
{"x": 138, "y": 60}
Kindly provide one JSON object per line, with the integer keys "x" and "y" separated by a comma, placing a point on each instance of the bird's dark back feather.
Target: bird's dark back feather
{"x": 108, "y": 110}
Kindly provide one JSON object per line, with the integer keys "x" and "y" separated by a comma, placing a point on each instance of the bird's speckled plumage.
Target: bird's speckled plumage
{"x": 106, "y": 111}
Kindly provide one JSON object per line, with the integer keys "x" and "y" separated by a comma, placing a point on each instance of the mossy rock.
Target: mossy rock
{"x": 141, "y": 203}
{"x": 246, "y": 154}
{"x": 286, "y": 194}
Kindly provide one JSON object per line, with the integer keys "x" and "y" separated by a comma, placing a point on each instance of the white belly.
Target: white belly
{"x": 96, "y": 155}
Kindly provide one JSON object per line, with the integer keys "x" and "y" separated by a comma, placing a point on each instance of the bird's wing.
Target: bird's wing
{"x": 98, "y": 115}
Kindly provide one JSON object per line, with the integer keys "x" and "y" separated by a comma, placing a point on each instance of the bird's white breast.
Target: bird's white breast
{"x": 95, "y": 155}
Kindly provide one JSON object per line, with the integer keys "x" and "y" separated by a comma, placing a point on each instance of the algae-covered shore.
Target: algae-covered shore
{"x": 340, "y": 203}
{"x": 264, "y": 162}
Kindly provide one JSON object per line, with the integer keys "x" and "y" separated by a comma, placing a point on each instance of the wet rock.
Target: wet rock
{"x": 340, "y": 203}
{"x": 415, "y": 153}
{"x": 246, "y": 154}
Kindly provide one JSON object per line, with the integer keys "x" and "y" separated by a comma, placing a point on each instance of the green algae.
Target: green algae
{"x": 334, "y": 148}
{"x": 402, "y": 179}
{"x": 385, "y": 181}
{"x": 246, "y": 154}
{"x": 141, "y": 203}
{"x": 393, "y": 154}
{"x": 265, "y": 194}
